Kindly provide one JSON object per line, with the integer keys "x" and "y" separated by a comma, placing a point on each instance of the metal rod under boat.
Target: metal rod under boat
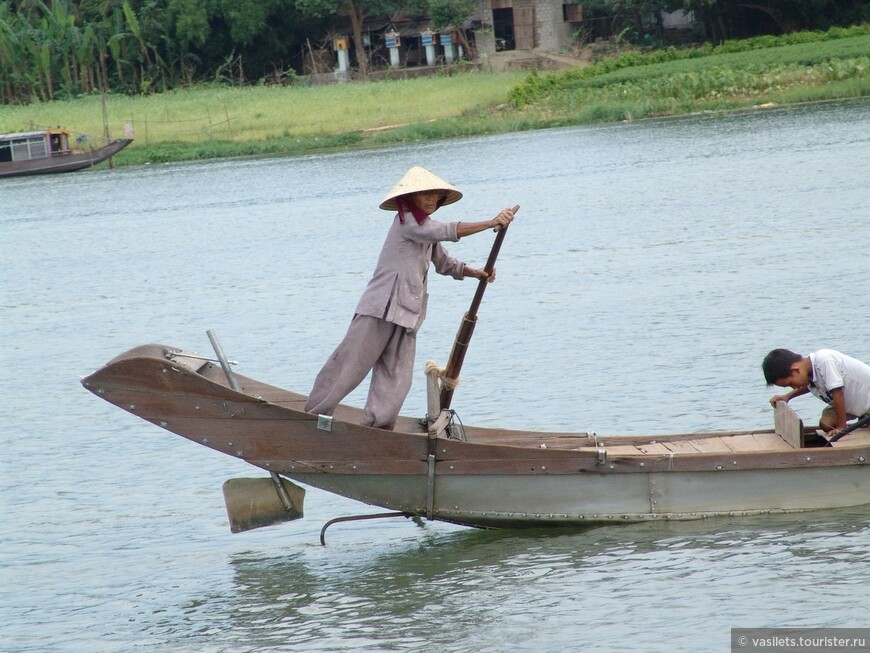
{"x": 231, "y": 378}
{"x": 379, "y": 515}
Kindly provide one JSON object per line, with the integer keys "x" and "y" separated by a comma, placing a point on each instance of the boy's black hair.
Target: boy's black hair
{"x": 777, "y": 364}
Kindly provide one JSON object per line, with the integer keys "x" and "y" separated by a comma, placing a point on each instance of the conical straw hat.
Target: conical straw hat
{"x": 419, "y": 179}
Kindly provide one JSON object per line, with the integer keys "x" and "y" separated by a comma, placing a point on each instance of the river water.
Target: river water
{"x": 651, "y": 267}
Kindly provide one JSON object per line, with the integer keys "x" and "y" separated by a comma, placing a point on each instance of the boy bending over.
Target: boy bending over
{"x": 839, "y": 380}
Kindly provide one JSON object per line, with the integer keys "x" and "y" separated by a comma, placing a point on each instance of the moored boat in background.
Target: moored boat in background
{"x": 49, "y": 151}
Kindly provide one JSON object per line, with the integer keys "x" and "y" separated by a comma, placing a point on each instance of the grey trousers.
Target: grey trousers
{"x": 387, "y": 350}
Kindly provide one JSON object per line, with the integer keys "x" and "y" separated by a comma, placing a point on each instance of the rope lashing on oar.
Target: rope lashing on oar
{"x": 433, "y": 368}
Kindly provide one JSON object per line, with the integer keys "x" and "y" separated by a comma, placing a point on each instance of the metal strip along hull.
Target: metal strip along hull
{"x": 507, "y": 501}
{"x": 499, "y": 478}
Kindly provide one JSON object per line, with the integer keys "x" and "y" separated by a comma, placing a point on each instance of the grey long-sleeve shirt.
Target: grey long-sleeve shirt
{"x": 397, "y": 291}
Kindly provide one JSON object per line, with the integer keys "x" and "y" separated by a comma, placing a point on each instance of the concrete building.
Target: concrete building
{"x": 545, "y": 25}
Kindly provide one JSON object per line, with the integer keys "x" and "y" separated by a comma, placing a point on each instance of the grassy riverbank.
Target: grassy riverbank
{"x": 214, "y": 121}
{"x": 218, "y": 121}
{"x": 675, "y": 82}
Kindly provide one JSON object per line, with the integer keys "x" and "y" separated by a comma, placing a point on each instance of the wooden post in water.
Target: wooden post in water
{"x": 106, "y": 124}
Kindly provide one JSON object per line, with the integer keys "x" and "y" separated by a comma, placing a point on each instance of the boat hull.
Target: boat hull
{"x": 507, "y": 501}
{"x": 497, "y": 478}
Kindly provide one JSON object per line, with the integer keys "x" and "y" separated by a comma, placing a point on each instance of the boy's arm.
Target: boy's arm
{"x": 791, "y": 395}
{"x": 838, "y": 400}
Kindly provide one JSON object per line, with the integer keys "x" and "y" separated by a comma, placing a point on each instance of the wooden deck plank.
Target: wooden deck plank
{"x": 654, "y": 448}
{"x": 623, "y": 450}
{"x": 757, "y": 442}
{"x": 739, "y": 443}
{"x": 711, "y": 445}
{"x": 688, "y": 446}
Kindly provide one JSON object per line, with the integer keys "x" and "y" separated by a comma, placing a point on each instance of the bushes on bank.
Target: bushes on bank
{"x": 538, "y": 86}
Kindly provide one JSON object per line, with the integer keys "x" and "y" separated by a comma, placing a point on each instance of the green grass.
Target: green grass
{"x": 809, "y": 47}
{"x": 673, "y": 83}
{"x": 755, "y": 60}
{"x": 264, "y": 113}
{"x": 214, "y": 121}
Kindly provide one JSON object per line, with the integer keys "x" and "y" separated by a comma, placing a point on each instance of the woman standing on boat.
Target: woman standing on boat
{"x": 382, "y": 336}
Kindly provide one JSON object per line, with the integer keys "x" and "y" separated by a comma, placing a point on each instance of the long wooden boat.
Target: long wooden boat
{"x": 483, "y": 476}
{"x": 49, "y": 151}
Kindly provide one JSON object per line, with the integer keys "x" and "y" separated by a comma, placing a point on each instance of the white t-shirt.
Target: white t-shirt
{"x": 832, "y": 370}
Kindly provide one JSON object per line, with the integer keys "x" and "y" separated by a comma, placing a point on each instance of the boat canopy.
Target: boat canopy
{"x": 25, "y": 146}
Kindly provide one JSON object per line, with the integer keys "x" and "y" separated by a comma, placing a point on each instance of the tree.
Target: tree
{"x": 451, "y": 14}
{"x": 634, "y": 16}
{"x": 739, "y": 18}
{"x": 261, "y": 35}
{"x": 357, "y": 11}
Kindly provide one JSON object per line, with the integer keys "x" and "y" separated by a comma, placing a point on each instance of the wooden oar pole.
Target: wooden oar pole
{"x": 466, "y": 327}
